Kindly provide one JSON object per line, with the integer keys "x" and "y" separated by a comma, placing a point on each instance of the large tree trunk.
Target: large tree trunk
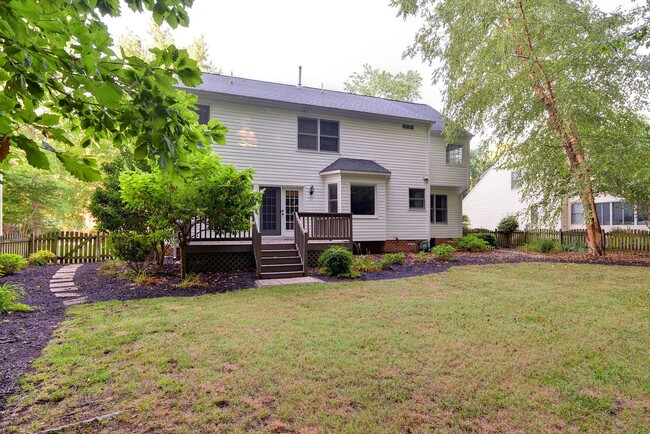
{"x": 567, "y": 132}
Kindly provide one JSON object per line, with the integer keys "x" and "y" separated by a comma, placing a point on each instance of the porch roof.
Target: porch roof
{"x": 355, "y": 165}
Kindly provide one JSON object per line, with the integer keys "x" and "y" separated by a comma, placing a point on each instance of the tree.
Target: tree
{"x": 211, "y": 194}
{"x": 37, "y": 200}
{"x": 535, "y": 74}
{"x": 480, "y": 160}
{"x": 59, "y": 75}
{"x": 374, "y": 82}
{"x": 132, "y": 44}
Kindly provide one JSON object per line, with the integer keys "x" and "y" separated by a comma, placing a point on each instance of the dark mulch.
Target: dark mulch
{"x": 104, "y": 285}
{"x": 411, "y": 268}
{"x": 24, "y": 335}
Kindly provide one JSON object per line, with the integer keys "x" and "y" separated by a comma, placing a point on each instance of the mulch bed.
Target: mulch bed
{"x": 24, "y": 335}
{"x": 411, "y": 268}
{"x": 100, "y": 285}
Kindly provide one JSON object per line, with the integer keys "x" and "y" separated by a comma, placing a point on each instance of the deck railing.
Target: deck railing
{"x": 257, "y": 248}
{"x": 301, "y": 238}
{"x": 202, "y": 232}
{"x": 326, "y": 226}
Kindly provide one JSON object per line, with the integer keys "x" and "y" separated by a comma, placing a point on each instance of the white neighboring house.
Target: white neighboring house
{"x": 497, "y": 194}
{"x": 316, "y": 150}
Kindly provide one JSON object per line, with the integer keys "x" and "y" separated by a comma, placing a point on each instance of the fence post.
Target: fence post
{"x": 561, "y": 237}
{"x": 30, "y": 246}
{"x": 605, "y": 240}
{"x": 56, "y": 247}
{"x": 97, "y": 248}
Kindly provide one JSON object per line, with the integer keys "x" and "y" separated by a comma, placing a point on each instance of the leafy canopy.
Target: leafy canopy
{"x": 375, "y": 82}
{"x": 495, "y": 59}
{"x": 60, "y": 76}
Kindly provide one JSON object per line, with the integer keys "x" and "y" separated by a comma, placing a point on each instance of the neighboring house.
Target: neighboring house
{"x": 498, "y": 194}
{"x": 316, "y": 150}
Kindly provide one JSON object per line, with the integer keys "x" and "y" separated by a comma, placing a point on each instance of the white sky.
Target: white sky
{"x": 268, "y": 40}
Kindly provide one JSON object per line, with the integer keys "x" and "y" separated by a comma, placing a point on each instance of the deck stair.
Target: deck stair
{"x": 280, "y": 260}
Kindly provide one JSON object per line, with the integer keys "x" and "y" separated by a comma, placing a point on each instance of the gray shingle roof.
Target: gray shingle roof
{"x": 355, "y": 165}
{"x": 313, "y": 97}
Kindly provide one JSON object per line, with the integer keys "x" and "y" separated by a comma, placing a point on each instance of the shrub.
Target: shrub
{"x": 192, "y": 281}
{"x": 10, "y": 293}
{"x": 10, "y": 263}
{"x": 336, "y": 261}
{"x": 508, "y": 224}
{"x": 422, "y": 257}
{"x": 391, "y": 259}
{"x": 488, "y": 237}
{"x": 363, "y": 264}
{"x": 575, "y": 246}
{"x": 131, "y": 247}
{"x": 444, "y": 252}
{"x": 472, "y": 243}
{"x": 42, "y": 257}
{"x": 543, "y": 245}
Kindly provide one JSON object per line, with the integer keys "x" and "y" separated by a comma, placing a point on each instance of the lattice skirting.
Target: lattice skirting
{"x": 206, "y": 262}
{"x": 313, "y": 256}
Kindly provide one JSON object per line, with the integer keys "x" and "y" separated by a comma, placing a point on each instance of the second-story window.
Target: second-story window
{"x": 515, "y": 180}
{"x": 318, "y": 135}
{"x": 455, "y": 155}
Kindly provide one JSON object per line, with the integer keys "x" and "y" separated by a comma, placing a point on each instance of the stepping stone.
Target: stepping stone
{"x": 75, "y": 301}
{"x": 61, "y": 284}
{"x": 66, "y": 294}
{"x": 65, "y": 289}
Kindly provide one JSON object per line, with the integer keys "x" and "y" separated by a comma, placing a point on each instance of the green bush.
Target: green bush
{"x": 10, "y": 263}
{"x": 422, "y": 257}
{"x": 10, "y": 293}
{"x": 472, "y": 243}
{"x": 391, "y": 259}
{"x": 42, "y": 257}
{"x": 543, "y": 245}
{"x": 444, "y": 252}
{"x": 575, "y": 247}
{"x": 508, "y": 224}
{"x": 363, "y": 264}
{"x": 488, "y": 237}
{"x": 131, "y": 247}
{"x": 336, "y": 261}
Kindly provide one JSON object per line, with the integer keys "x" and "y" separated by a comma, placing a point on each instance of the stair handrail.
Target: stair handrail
{"x": 257, "y": 248}
{"x": 301, "y": 238}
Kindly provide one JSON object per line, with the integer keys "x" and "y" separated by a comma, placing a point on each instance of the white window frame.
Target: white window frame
{"x": 462, "y": 155}
{"x": 374, "y": 186}
{"x": 318, "y": 135}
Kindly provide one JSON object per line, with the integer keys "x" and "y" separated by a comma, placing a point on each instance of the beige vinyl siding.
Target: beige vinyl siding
{"x": 454, "y": 226}
{"x": 366, "y": 228}
{"x": 265, "y": 138}
{"x": 440, "y": 172}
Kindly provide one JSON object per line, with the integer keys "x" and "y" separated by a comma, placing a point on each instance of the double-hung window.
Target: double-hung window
{"x": 438, "y": 208}
{"x": 577, "y": 214}
{"x": 622, "y": 214}
{"x": 416, "y": 198}
{"x": 318, "y": 135}
{"x": 604, "y": 214}
{"x": 515, "y": 180}
{"x": 362, "y": 199}
{"x": 455, "y": 155}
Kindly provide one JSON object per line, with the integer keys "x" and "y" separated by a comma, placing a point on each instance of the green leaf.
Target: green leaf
{"x": 79, "y": 169}
{"x": 35, "y": 156}
{"x": 108, "y": 94}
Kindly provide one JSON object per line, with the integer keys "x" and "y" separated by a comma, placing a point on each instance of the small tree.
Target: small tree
{"x": 507, "y": 226}
{"x": 210, "y": 194}
{"x": 375, "y": 82}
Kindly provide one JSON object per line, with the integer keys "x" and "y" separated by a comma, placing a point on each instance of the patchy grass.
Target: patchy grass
{"x": 503, "y": 348}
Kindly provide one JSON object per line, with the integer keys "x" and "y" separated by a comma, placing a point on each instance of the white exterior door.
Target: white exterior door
{"x": 290, "y": 205}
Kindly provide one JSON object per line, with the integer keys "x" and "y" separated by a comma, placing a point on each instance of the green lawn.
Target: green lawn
{"x": 525, "y": 347}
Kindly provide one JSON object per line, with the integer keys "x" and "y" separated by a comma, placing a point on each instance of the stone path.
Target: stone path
{"x": 62, "y": 285}
{"x": 288, "y": 281}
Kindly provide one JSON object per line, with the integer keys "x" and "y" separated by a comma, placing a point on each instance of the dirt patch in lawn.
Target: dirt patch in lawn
{"x": 411, "y": 267}
{"x": 99, "y": 284}
{"x": 24, "y": 335}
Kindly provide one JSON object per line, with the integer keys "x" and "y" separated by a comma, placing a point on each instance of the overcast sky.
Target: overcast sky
{"x": 268, "y": 40}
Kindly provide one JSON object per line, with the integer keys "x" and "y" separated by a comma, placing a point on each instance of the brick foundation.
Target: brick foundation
{"x": 394, "y": 246}
{"x": 438, "y": 241}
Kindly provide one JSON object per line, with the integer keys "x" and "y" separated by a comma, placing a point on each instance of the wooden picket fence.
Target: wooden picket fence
{"x": 70, "y": 247}
{"x": 629, "y": 240}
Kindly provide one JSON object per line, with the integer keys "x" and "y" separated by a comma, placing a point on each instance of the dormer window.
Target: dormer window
{"x": 318, "y": 135}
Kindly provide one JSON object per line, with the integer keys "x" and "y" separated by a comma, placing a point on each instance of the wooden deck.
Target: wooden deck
{"x": 313, "y": 232}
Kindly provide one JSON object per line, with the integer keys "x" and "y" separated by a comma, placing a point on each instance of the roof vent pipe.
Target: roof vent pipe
{"x": 300, "y": 76}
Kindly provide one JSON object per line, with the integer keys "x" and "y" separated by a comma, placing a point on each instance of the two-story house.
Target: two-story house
{"x": 384, "y": 162}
